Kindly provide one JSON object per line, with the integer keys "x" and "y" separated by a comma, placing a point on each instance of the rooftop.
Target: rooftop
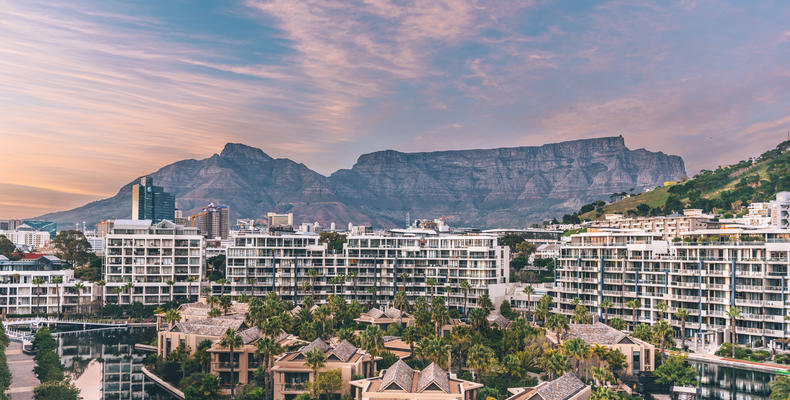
{"x": 598, "y": 333}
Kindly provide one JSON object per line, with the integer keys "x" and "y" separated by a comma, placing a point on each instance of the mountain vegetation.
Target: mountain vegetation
{"x": 727, "y": 190}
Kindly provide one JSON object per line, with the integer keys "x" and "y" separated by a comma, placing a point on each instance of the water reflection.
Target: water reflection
{"x": 104, "y": 365}
{"x": 727, "y": 383}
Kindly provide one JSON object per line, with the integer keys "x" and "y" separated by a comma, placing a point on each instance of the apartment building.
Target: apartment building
{"x": 400, "y": 381}
{"x": 387, "y": 261}
{"x": 670, "y": 226}
{"x": 291, "y": 371}
{"x": 213, "y": 221}
{"x": 705, "y": 272}
{"x": 151, "y": 256}
{"x": 25, "y": 235}
{"x": 780, "y": 210}
{"x": 20, "y": 295}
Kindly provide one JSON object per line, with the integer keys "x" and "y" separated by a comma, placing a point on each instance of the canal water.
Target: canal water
{"x": 726, "y": 383}
{"x": 105, "y": 365}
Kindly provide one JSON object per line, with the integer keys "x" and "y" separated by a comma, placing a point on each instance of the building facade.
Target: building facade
{"x": 213, "y": 222}
{"x": 424, "y": 264}
{"x": 152, "y": 202}
{"x": 20, "y": 295}
{"x": 670, "y": 226}
{"x": 705, "y": 272}
{"x": 150, "y": 256}
{"x": 24, "y": 235}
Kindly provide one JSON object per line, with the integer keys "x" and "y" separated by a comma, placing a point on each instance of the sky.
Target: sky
{"x": 96, "y": 93}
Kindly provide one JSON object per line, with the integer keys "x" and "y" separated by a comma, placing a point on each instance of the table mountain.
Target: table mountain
{"x": 507, "y": 187}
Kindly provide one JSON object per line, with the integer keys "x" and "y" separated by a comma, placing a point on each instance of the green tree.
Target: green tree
{"x": 682, "y": 314}
{"x": 662, "y": 308}
{"x": 484, "y": 302}
{"x": 207, "y": 388}
{"x": 56, "y": 390}
{"x": 676, "y": 371}
{"x": 529, "y": 291}
{"x": 214, "y": 312}
{"x": 7, "y": 248}
{"x": 172, "y": 316}
{"x": 557, "y": 323}
{"x": 315, "y": 359}
{"x": 43, "y": 341}
{"x": 48, "y": 367}
{"x": 606, "y": 304}
{"x": 581, "y": 315}
{"x": 734, "y": 313}
{"x": 433, "y": 349}
{"x": 232, "y": 340}
{"x": 617, "y": 323}
{"x": 439, "y": 314}
{"x": 38, "y": 281}
{"x": 604, "y": 393}
{"x": 372, "y": 340}
{"x": 334, "y": 241}
{"x": 556, "y": 363}
{"x": 662, "y": 332}
{"x": 481, "y": 359}
{"x": 634, "y": 305}
{"x": 543, "y": 309}
{"x": 72, "y": 247}
{"x": 780, "y": 388}
{"x": 326, "y": 382}
{"x": 267, "y": 348}
{"x": 577, "y": 349}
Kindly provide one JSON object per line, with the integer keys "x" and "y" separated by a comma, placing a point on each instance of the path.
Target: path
{"x": 23, "y": 380}
{"x": 731, "y": 362}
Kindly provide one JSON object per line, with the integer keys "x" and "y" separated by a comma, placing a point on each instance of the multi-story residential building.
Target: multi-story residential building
{"x": 535, "y": 236}
{"x": 20, "y": 295}
{"x": 705, "y": 272}
{"x": 401, "y": 382}
{"x": 670, "y": 226}
{"x": 423, "y": 263}
{"x": 213, "y": 222}
{"x": 275, "y": 220}
{"x": 758, "y": 216}
{"x": 291, "y": 371}
{"x": 25, "y": 235}
{"x": 152, "y": 202}
{"x": 96, "y": 243}
{"x": 104, "y": 227}
{"x": 151, "y": 256}
{"x": 780, "y": 210}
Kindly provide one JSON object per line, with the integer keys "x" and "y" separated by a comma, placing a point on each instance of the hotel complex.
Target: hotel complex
{"x": 421, "y": 261}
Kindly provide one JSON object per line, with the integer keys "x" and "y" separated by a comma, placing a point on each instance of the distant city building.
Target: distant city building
{"x": 780, "y": 210}
{"x": 670, "y": 226}
{"x": 758, "y": 215}
{"x": 280, "y": 220}
{"x": 151, "y": 202}
{"x": 96, "y": 243}
{"x": 9, "y": 224}
{"x": 213, "y": 222}
{"x": 149, "y": 255}
{"x": 18, "y": 294}
{"x": 44, "y": 226}
{"x": 180, "y": 219}
{"x": 25, "y": 235}
{"x": 535, "y": 236}
{"x": 104, "y": 227}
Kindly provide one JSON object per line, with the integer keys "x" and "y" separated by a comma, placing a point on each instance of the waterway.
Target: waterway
{"x": 105, "y": 365}
{"x": 720, "y": 382}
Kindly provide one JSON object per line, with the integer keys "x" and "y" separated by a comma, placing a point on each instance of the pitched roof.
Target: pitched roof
{"x": 374, "y": 313}
{"x": 400, "y": 374}
{"x": 562, "y": 388}
{"x": 498, "y": 320}
{"x": 315, "y": 344}
{"x": 210, "y": 326}
{"x": 393, "y": 313}
{"x": 433, "y": 374}
{"x": 250, "y": 335}
{"x": 344, "y": 351}
{"x": 598, "y": 333}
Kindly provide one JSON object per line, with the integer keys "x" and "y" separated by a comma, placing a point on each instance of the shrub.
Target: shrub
{"x": 760, "y": 355}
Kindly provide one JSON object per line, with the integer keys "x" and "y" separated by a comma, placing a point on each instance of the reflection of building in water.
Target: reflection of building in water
{"x": 725, "y": 383}
{"x": 122, "y": 372}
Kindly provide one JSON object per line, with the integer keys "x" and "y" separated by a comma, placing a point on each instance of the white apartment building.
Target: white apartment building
{"x": 149, "y": 256}
{"x": 19, "y": 295}
{"x": 260, "y": 262}
{"x": 670, "y": 226}
{"x": 706, "y": 272}
{"x": 24, "y": 235}
{"x": 780, "y": 210}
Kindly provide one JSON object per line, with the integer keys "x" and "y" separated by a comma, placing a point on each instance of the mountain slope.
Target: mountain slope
{"x": 727, "y": 189}
{"x": 485, "y": 188}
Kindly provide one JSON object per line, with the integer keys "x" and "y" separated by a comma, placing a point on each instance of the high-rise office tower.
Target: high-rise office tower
{"x": 152, "y": 202}
{"x": 213, "y": 221}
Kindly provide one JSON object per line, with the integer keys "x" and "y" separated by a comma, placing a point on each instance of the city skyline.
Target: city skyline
{"x": 117, "y": 91}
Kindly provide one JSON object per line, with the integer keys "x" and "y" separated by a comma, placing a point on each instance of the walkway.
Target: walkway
{"x": 731, "y": 362}
{"x": 23, "y": 380}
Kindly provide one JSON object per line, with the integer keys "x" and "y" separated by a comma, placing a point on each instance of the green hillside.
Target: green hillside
{"x": 726, "y": 190}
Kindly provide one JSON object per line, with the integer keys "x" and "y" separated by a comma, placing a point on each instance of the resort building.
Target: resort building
{"x": 566, "y": 387}
{"x": 162, "y": 261}
{"x": 373, "y": 266}
{"x": 705, "y": 272}
{"x": 400, "y": 381}
{"x": 640, "y": 355}
{"x": 383, "y": 319}
{"x": 291, "y": 371}
{"x": 38, "y": 284}
{"x": 191, "y": 333}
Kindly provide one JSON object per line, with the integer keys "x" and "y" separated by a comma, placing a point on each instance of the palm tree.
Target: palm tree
{"x": 190, "y": 281}
{"x": 214, "y": 312}
{"x": 226, "y": 303}
{"x": 129, "y": 286}
{"x": 410, "y": 336}
{"x": 682, "y": 314}
{"x": 556, "y": 363}
{"x": 465, "y": 287}
{"x": 634, "y": 305}
{"x": 401, "y": 303}
{"x": 252, "y": 281}
{"x": 734, "y": 313}
{"x": 267, "y": 348}
{"x": 481, "y": 359}
{"x": 605, "y": 306}
{"x": 231, "y": 340}
{"x": 312, "y": 275}
{"x": 557, "y": 323}
{"x": 780, "y": 388}
{"x": 576, "y": 348}
{"x": 529, "y": 291}
{"x": 315, "y": 359}
{"x": 172, "y": 316}
{"x": 222, "y": 282}
{"x": 170, "y": 283}
{"x": 212, "y": 300}
{"x": 439, "y": 313}
{"x": 485, "y": 303}
{"x": 372, "y": 340}
{"x": 662, "y": 307}
{"x": 57, "y": 281}
{"x": 79, "y": 287}
{"x": 662, "y": 331}
{"x": 432, "y": 283}
{"x": 38, "y": 281}
{"x": 101, "y": 285}
{"x": 118, "y": 290}
{"x": 334, "y": 281}
{"x": 403, "y": 276}
{"x": 354, "y": 275}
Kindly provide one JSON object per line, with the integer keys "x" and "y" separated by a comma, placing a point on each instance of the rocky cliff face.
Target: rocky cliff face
{"x": 506, "y": 187}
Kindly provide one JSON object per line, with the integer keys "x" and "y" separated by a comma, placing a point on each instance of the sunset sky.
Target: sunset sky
{"x": 95, "y": 93}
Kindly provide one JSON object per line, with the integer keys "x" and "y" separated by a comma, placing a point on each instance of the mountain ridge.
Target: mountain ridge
{"x": 481, "y": 187}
